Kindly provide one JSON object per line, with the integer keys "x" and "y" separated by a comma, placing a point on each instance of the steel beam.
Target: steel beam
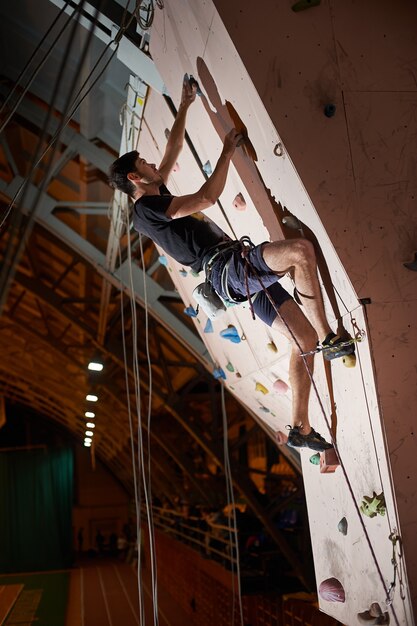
{"x": 128, "y": 52}
{"x": 123, "y": 277}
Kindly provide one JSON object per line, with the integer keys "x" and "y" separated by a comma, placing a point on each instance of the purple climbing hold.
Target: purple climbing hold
{"x": 231, "y": 334}
{"x": 332, "y": 590}
{"x": 190, "y": 311}
{"x": 280, "y": 386}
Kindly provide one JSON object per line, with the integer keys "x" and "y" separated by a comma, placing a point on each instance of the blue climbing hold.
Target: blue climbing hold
{"x": 190, "y": 311}
{"x": 184, "y": 272}
{"x": 207, "y": 169}
{"x": 208, "y": 327}
{"x": 163, "y": 260}
{"x": 231, "y": 334}
{"x": 219, "y": 373}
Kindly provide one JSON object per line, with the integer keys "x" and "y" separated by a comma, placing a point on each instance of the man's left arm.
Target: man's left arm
{"x": 176, "y": 137}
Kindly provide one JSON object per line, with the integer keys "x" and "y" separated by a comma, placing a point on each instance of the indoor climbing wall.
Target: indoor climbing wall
{"x": 352, "y": 509}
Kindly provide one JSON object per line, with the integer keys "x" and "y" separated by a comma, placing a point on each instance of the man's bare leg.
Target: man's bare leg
{"x": 299, "y": 255}
{"x": 299, "y": 379}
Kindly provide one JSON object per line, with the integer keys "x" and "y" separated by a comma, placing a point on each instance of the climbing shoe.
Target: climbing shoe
{"x": 337, "y": 346}
{"x": 313, "y": 440}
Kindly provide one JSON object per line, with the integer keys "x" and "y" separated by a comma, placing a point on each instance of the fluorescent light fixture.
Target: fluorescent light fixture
{"x": 87, "y": 444}
{"x": 87, "y": 440}
{"x": 95, "y": 367}
{"x": 90, "y": 425}
{"x": 91, "y": 398}
{"x": 90, "y": 414}
{"x": 89, "y": 433}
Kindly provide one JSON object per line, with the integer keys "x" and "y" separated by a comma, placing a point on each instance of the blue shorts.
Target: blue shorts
{"x": 236, "y": 282}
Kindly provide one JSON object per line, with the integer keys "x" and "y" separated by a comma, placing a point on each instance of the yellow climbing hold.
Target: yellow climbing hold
{"x": 271, "y": 346}
{"x": 260, "y": 387}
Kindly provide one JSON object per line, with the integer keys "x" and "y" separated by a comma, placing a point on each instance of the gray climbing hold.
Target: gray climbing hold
{"x": 343, "y": 526}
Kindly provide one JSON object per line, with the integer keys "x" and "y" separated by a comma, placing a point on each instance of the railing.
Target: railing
{"x": 216, "y": 541}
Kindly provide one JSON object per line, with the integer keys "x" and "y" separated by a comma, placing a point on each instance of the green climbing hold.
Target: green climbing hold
{"x": 315, "y": 459}
{"x": 373, "y": 505}
{"x": 230, "y": 367}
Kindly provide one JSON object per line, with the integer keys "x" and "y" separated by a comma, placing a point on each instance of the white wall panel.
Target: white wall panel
{"x": 189, "y": 37}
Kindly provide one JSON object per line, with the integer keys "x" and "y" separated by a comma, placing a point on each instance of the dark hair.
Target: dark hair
{"x": 119, "y": 170}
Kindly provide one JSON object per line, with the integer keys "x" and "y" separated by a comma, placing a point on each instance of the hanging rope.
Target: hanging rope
{"x": 232, "y": 507}
{"x": 316, "y": 391}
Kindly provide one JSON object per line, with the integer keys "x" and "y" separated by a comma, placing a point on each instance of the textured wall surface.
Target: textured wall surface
{"x": 348, "y": 178}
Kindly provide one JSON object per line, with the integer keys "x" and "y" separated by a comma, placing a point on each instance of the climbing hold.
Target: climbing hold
{"x": 238, "y": 375}
{"x": 332, "y": 590}
{"x": 190, "y": 311}
{"x": 192, "y": 81}
{"x": 239, "y": 202}
{"x": 278, "y": 150}
{"x": 292, "y": 222}
{"x": 373, "y": 505}
{"x": 412, "y": 265}
{"x": 304, "y": 4}
{"x": 349, "y": 360}
{"x": 183, "y": 272}
{"x": 374, "y": 615}
{"x": 194, "y": 273}
{"x": 167, "y": 133}
{"x": 208, "y": 328}
{"x": 219, "y": 373}
{"x": 280, "y": 387}
{"x": 281, "y": 438}
{"x": 163, "y": 260}
{"x": 260, "y": 387}
{"x": 264, "y": 409}
{"x": 315, "y": 459}
{"x": 207, "y": 169}
{"x": 342, "y": 526}
{"x": 230, "y": 367}
{"x": 329, "y": 110}
{"x": 272, "y": 347}
{"x": 329, "y": 461}
{"x": 176, "y": 167}
{"x": 231, "y": 334}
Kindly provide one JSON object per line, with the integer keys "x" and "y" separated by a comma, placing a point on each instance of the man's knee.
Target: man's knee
{"x": 303, "y": 251}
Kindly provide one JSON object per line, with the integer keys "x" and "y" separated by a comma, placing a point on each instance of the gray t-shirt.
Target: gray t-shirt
{"x": 185, "y": 239}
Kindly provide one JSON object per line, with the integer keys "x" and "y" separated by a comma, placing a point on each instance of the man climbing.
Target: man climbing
{"x": 170, "y": 222}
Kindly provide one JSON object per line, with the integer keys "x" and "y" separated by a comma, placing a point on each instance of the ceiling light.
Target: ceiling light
{"x": 89, "y": 433}
{"x": 95, "y": 367}
{"x": 90, "y": 414}
{"x": 87, "y": 444}
{"x": 87, "y": 440}
{"x": 91, "y": 398}
{"x": 90, "y": 425}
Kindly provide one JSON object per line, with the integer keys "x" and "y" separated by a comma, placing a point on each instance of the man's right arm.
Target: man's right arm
{"x": 209, "y": 193}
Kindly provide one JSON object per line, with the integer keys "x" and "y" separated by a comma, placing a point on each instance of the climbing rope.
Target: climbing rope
{"x": 249, "y": 268}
